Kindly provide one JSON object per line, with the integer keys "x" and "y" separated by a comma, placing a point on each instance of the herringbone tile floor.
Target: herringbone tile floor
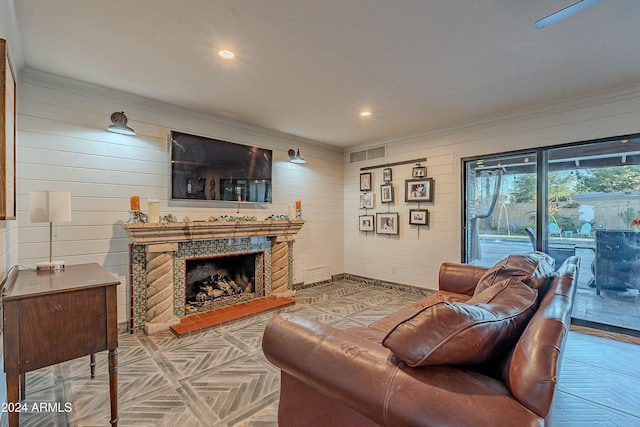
{"x": 220, "y": 377}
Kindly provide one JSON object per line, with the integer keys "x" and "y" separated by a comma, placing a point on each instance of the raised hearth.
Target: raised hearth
{"x": 211, "y": 319}
{"x": 159, "y": 254}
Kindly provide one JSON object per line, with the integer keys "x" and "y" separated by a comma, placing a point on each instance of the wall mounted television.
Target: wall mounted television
{"x": 207, "y": 169}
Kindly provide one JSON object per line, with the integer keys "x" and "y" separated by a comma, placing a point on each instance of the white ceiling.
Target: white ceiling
{"x": 307, "y": 67}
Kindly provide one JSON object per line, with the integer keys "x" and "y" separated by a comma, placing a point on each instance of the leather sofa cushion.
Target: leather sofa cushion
{"x": 483, "y": 328}
{"x": 536, "y": 269}
{"x": 389, "y": 322}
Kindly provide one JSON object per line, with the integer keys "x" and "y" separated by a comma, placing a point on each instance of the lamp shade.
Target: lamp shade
{"x": 50, "y": 206}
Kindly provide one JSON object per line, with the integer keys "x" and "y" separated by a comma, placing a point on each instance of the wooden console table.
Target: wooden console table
{"x": 52, "y": 317}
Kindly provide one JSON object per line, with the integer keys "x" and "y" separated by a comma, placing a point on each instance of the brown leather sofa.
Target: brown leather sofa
{"x": 485, "y": 350}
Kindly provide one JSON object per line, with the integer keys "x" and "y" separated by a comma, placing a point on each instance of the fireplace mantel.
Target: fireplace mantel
{"x": 145, "y": 234}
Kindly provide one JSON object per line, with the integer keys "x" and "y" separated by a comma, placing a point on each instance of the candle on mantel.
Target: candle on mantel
{"x": 154, "y": 210}
{"x": 298, "y": 204}
{"x": 135, "y": 203}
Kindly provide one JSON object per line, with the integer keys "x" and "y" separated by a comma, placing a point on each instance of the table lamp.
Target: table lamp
{"x": 50, "y": 206}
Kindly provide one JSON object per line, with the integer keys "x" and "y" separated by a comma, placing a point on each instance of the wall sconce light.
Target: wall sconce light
{"x": 50, "y": 206}
{"x": 119, "y": 124}
{"x": 295, "y": 157}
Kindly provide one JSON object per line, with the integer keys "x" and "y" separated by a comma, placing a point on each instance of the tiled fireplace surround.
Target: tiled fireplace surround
{"x": 158, "y": 255}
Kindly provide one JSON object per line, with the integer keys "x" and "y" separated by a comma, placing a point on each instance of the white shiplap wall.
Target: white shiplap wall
{"x": 63, "y": 145}
{"x": 415, "y": 255}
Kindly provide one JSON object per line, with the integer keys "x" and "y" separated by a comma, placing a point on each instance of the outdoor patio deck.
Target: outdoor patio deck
{"x": 615, "y": 308}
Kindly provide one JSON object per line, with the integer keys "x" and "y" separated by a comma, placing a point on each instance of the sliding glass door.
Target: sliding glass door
{"x": 579, "y": 199}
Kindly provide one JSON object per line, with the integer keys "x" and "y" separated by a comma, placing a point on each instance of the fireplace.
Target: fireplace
{"x": 167, "y": 259}
{"x": 215, "y": 282}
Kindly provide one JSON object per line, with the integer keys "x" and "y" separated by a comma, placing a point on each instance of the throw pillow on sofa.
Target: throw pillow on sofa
{"x": 390, "y": 321}
{"x": 465, "y": 333}
{"x": 536, "y": 269}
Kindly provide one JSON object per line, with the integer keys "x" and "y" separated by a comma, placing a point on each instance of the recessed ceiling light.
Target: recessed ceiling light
{"x": 226, "y": 54}
{"x": 365, "y": 113}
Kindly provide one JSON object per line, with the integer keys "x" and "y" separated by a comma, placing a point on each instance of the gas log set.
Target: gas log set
{"x": 216, "y": 283}
{"x": 217, "y": 286}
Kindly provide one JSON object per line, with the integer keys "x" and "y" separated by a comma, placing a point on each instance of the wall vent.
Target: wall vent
{"x": 357, "y": 156}
{"x": 368, "y": 154}
{"x": 376, "y": 153}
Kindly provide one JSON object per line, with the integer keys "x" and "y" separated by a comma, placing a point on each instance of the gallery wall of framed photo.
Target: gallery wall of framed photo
{"x": 419, "y": 188}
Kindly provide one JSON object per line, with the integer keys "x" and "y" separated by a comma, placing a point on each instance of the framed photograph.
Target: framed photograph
{"x": 418, "y": 217}
{"x": 386, "y": 193}
{"x": 366, "y": 200}
{"x": 418, "y": 190}
{"x": 386, "y": 175}
{"x": 367, "y": 223}
{"x": 7, "y": 136}
{"x": 387, "y": 223}
{"x": 365, "y": 181}
{"x": 419, "y": 172}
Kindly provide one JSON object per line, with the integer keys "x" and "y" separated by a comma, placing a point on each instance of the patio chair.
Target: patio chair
{"x": 617, "y": 260}
{"x": 554, "y": 229}
{"x": 585, "y": 230}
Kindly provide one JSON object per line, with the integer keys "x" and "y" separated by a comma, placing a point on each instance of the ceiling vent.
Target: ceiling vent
{"x": 368, "y": 154}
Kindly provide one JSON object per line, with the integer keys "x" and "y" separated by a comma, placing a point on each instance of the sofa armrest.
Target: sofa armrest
{"x": 340, "y": 365}
{"x": 459, "y": 278}
{"x": 366, "y": 377}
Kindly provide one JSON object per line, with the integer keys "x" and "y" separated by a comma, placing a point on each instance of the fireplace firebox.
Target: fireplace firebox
{"x": 218, "y": 281}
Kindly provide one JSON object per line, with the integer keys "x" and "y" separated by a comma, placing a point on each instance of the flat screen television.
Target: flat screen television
{"x": 209, "y": 169}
